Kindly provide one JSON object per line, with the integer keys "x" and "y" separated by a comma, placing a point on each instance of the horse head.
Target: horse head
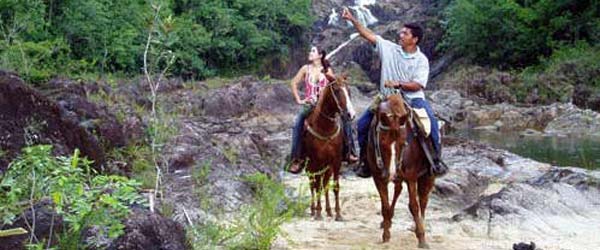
{"x": 390, "y": 134}
{"x": 340, "y": 97}
{"x": 392, "y": 114}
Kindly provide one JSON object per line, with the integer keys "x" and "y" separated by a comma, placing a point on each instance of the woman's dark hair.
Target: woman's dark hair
{"x": 324, "y": 61}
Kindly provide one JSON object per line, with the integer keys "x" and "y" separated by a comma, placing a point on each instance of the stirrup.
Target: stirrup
{"x": 363, "y": 171}
{"x": 295, "y": 167}
{"x": 439, "y": 168}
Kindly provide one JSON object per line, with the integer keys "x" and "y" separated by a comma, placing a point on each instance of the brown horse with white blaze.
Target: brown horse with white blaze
{"x": 323, "y": 144}
{"x": 394, "y": 154}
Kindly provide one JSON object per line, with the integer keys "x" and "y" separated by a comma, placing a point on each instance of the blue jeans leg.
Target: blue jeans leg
{"x": 349, "y": 144}
{"x": 435, "y": 130}
{"x": 297, "y": 131}
{"x": 362, "y": 127}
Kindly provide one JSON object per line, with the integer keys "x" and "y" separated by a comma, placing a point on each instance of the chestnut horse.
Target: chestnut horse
{"x": 395, "y": 154}
{"x": 323, "y": 144}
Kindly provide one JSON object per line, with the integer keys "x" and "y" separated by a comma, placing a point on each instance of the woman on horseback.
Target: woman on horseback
{"x": 315, "y": 75}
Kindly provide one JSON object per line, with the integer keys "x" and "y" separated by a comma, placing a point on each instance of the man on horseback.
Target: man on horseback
{"x": 404, "y": 69}
{"x": 315, "y": 75}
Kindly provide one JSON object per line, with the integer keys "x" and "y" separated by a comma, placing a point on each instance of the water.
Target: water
{"x": 360, "y": 11}
{"x": 576, "y": 151}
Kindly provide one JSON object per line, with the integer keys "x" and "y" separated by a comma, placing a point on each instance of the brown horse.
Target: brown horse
{"x": 394, "y": 153}
{"x": 323, "y": 144}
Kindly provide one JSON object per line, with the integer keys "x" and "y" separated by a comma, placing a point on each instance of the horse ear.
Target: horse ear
{"x": 342, "y": 78}
{"x": 397, "y": 105}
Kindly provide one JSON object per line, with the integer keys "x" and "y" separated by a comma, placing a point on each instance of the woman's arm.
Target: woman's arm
{"x": 294, "y": 84}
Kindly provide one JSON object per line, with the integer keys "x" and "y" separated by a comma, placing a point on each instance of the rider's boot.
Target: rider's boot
{"x": 438, "y": 168}
{"x": 363, "y": 170}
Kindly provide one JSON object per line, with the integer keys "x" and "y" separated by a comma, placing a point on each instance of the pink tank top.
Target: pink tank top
{"x": 312, "y": 90}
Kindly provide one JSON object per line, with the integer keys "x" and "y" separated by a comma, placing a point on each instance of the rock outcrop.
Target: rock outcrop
{"x": 27, "y": 117}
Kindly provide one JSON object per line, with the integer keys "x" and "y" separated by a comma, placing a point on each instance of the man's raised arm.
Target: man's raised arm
{"x": 362, "y": 30}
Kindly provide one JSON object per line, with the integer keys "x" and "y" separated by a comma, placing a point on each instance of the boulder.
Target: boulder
{"x": 145, "y": 230}
{"x": 27, "y": 117}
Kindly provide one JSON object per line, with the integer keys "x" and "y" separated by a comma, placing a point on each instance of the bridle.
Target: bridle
{"x": 328, "y": 117}
{"x": 380, "y": 127}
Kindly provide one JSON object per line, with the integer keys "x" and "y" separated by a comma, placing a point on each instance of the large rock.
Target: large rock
{"x": 96, "y": 118}
{"x": 541, "y": 205}
{"x": 575, "y": 121}
{"x": 246, "y": 95}
{"x": 464, "y": 113}
{"x": 47, "y": 222}
{"x": 27, "y": 117}
{"x": 145, "y": 230}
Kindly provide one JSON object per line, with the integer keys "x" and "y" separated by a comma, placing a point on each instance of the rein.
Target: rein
{"x": 378, "y": 156}
{"x": 328, "y": 117}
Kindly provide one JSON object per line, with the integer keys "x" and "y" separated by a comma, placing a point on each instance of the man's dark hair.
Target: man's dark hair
{"x": 415, "y": 30}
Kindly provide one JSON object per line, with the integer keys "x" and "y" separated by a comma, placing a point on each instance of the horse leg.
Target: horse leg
{"x": 381, "y": 185}
{"x": 413, "y": 205}
{"x": 318, "y": 190}
{"x": 336, "y": 192}
{"x": 426, "y": 184}
{"x": 397, "y": 192}
{"x": 313, "y": 190}
{"x": 325, "y": 185}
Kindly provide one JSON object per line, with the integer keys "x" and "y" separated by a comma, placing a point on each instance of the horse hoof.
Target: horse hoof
{"x": 318, "y": 217}
{"x": 339, "y": 218}
{"x": 386, "y": 237}
{"x": 329, "y": 213}
{"x": 423, "y": 245}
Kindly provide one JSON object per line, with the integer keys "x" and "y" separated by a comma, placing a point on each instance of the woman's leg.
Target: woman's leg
{"x": 296, "y": 153}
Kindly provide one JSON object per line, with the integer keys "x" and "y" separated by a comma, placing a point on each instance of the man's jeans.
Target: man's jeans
{"x": 365, "y": 121}
{"x": 349, "y": 144}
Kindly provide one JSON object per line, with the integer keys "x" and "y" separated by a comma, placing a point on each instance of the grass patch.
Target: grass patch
{"x": 257, "y": 224}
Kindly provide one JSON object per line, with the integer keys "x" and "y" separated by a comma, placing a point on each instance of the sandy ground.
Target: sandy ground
{"x": 360, "y": 228}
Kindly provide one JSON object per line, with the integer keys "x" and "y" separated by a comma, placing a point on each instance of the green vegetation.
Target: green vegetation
{"x": 516, "y": 33}
{"x": 548, "y": 47}
{"x": 571, "y": 72}
{"x": 40, "y": 39}
{"x": 258, "y": 223}
{"x": 80, "y": 196}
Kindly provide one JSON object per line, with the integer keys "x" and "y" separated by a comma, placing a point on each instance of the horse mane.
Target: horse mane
{"x": 338, "y": 80}
{"x": 396, "y": 105}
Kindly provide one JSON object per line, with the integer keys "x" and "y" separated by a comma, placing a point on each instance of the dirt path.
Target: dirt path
{"x": 360, "y": 229}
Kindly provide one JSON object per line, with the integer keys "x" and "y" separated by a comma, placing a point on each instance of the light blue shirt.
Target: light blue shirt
{"x": 398, "y": 65}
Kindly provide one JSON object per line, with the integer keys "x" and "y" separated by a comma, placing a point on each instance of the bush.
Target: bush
{"x": 516, "y": 33}
{"x": 257, "y": 224}
{"x": 570, "y": 70}
{"x": 35, "y": 61}
{"x": 80, "y": 197}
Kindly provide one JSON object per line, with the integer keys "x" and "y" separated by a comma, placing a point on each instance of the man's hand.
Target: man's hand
{"x": 347, "y": 14}
{"x": 391, "y": 84}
